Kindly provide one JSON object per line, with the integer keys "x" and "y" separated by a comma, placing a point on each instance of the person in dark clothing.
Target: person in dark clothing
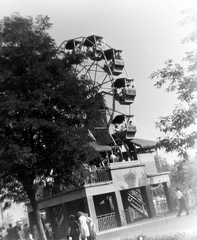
{"x": 12, "y": 233}
{"x": 26, "y": 232}
{"x": 15, "y": 233}
{"x": 182, "y": 204}
{"x": 73, "y": 229}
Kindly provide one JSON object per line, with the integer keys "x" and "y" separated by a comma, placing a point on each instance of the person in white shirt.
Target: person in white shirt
{"x": 112, "y": 157}
{"x": 83, "y": 226}
{"x": 191, "y": 199}
{"x": 182, "y": 204}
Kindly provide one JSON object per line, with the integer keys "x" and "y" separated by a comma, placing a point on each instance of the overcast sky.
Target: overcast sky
{"x": 146, "y": 30}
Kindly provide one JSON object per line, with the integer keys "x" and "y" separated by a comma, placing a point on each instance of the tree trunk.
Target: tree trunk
{"x": 31, "y": 194}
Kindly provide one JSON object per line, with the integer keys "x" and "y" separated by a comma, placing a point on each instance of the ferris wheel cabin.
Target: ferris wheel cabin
{"x": 72, "y": 44}
{"x": 95, "y": 47}
{"x": 92, "y": 40}
{"x": 125, "y": 126}
{"x": 116, "y": 63}
{"x": 125, "y": 91}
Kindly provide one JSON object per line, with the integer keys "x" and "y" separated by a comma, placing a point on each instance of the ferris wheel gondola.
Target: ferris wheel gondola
{"x": 103, "y": 64}
{"x": 125, "y": 91}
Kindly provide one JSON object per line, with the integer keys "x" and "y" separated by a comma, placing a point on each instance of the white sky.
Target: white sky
{"x": 146, "y": 30}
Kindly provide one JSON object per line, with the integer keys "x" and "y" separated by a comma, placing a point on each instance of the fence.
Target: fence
{"x": 99, "y": 175}
{"x": 160, "y": 206}
{"x": 107, "y": 221}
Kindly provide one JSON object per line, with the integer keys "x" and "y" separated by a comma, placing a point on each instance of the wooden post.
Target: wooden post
{"x": 90, "y": 208}
{"x": 119, "y": 209}
{"x": 167, "y": 195}
{"x": 148, "y": 200}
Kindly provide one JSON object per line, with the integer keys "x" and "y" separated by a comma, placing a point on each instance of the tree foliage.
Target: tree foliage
{"x": 43, "y": 109}
{"x": 179, "y": 128}
{"x": 182, "y": 174}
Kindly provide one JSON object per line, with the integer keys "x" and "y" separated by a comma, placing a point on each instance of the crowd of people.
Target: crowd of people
{"x": 81, "y": 227}
{"x": 24, "y": 233}
{"x": 16, "y": 232}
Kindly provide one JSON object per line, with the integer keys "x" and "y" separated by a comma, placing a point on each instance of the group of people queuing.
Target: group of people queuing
{"x": 116, "y": 156}
{"x": 81, "y": 227}
{"x": 16, "y": 233}
{"x": 105, "y": 158}
{"x": 24, "y": 233}
{"x": 95, "y": 167}
{"x": 111, "y": 157}
{"x": 186, "y": 202}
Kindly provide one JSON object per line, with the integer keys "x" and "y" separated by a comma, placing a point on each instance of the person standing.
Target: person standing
{"x": 26, "y": 232}
{"x": 3, "y": 233}
{"x": 73, "y": 229}
{"x": 10, "y": 232}
{"x": 19, "y": 230}
{"x": 113, "y": 157}
{"x": 36, "y": 234}
{"x": 191, "y": 199}
{"x": 93, "y": 172}
{"x": 15, "y": 235}
{"x": 92, "y": 229}
{"x": 48, "y": 231}
{"x": 182, "y": 204}
{"x": 83, "y": 226}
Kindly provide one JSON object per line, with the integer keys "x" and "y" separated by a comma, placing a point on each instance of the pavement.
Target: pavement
{"x": 164, "y": 224}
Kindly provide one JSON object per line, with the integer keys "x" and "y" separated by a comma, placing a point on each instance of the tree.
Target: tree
{"x": 43, "y": 109}
{"x": 182, "y": 174}
{"x": 178, "y": 128}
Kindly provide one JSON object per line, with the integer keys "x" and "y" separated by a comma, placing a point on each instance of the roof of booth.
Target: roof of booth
{"x": 100, "y": 148}
{"x": 143, "y": 143}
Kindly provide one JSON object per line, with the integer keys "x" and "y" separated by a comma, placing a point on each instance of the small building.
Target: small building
{"x": 124, "y": 190}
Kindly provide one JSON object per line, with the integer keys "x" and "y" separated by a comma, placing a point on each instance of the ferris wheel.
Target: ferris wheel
{"x": 105, "y": 66}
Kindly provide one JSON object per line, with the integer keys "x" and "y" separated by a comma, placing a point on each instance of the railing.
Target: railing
{"x": 107, "y": 221}
{"x": 99, "y": 175}
{"x": 161, "y": 206}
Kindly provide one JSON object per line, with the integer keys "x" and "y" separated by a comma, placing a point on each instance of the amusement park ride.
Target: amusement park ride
{"x": 114, "y": 193}
{"x": 116, "y": 90}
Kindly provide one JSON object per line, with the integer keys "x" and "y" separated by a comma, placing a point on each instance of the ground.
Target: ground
{"x": 165, "y": 224}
